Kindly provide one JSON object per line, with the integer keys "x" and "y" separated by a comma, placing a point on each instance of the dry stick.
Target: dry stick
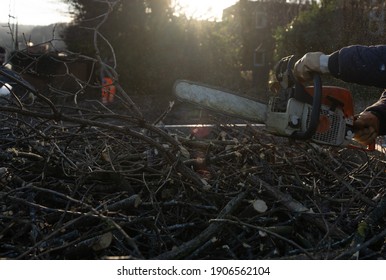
{"x": 204, "y": 247}
{"x": 211, "y": 231}
{"x": 296, "y": 207}
{"x": 366, "y": 244}
{"x": 363, "y": 229}
{"x": 80, "y": 243}
{"x": 49, "y": 209}
{"x": 164, "y": 114}
{"x": 91, "y": 212}
{"x": 266, "y": 230}
{"x": 172, "y": 159}
{"x": 343, "y": 182}
{"x": 131, "y": 202}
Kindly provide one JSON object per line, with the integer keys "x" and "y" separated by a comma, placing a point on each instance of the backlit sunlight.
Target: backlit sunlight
{"x": 36, "y": 12}
{"x": 202, "y": 9}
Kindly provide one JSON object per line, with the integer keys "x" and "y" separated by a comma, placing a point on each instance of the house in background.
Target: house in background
{"x": 257, "y": 22}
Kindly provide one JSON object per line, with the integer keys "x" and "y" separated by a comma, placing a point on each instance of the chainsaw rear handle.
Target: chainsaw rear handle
{"x": 286, "y": 78}
{"x": 316, "y": 105}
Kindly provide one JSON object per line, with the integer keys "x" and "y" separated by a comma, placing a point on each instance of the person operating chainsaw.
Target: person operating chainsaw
{"x": 364, "y": 65}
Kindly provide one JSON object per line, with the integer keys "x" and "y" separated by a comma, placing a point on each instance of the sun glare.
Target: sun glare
{"x": 37, "y": 12}
{"x": 202, "y": 9}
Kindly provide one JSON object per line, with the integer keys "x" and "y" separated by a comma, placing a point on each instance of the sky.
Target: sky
{"x": 45, "y": 12}
{"x": 34, "y": 12}
{"x": 203, "y": 9}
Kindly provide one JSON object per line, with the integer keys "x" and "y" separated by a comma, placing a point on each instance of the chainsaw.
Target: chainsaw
{"x": 320, "y": 114}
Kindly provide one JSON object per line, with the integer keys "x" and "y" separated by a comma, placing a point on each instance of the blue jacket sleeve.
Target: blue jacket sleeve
{"x": 365, "y": 65}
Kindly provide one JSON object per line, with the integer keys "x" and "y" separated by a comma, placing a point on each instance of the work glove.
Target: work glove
{"x": 366, "y": 128}
{"x": 312, "y": 62}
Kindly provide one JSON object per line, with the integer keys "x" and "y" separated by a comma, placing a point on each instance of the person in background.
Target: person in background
{"x": 364, "y": 65}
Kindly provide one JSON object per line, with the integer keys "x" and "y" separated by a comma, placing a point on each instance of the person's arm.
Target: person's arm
{"x": 365, "y": 65}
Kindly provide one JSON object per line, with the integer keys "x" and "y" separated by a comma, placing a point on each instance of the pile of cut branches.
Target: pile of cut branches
{"x": 85, "y": 182}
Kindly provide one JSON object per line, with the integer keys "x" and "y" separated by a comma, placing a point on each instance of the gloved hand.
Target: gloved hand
{"x": 312, "y": 62}
{"x": 366, "y": 127}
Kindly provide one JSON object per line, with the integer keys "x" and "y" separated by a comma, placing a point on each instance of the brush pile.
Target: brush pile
{"x": 86, "y": 182}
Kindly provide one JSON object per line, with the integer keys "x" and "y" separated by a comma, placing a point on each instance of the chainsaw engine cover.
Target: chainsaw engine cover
{"x": 335, "y": 118}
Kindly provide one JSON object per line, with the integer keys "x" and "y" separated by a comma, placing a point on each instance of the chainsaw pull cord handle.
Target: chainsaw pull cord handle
{"x": 315, "y": 113}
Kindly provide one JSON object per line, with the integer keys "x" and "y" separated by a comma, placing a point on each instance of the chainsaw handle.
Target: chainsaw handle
{"x": 316, "y": 105}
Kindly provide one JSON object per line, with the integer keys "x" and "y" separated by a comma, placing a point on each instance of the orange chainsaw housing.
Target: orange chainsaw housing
{"x": 336, "y": 96}
{"x": 331, "y": 96}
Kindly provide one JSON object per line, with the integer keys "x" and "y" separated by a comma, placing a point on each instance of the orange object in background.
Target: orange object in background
{"x": 108, "y": 90}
